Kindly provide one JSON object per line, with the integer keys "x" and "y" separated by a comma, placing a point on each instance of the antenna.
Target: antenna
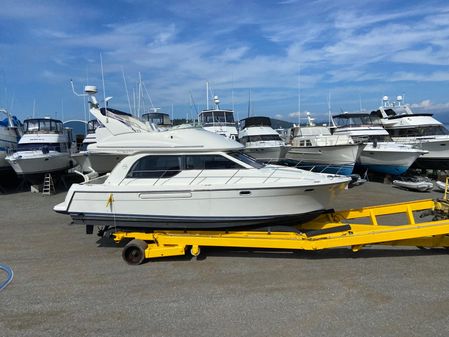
{"x": 102, "y": 79}
{"x": 139, "y": 94}
{"x": 207, "y": 95}
{"x": 126, "y": 89}
{"x": 62, "y": 109}
{"x": 149, "y": 97}
{"x": 34, "y": 107}
{"x": 249, "y": 102}
{"x": 299, "y": 95}
{"x": 329, "y": 109}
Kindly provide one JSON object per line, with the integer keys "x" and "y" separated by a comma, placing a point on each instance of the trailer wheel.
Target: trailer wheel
{"x": 134, "y": 252}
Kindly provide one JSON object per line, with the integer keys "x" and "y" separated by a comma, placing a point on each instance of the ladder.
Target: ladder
{"x": 48, "y": 186}
{"x": 446, "y": 188}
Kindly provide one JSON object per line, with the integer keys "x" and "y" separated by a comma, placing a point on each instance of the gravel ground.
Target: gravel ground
{"x": 71, "y": 284}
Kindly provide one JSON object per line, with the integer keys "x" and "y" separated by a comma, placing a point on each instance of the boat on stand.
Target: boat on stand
{"x": 420, "y": 130}
{"x": 315, "y": 148}
{"x": 261, "y": 140}
{"x": 45, "y": 147}
{"x": 10, "y": 133}
{"x": 380, "y": 154}
{"x": 198, "y": 189}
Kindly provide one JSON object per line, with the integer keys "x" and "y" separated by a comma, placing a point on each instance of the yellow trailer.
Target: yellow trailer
{"x": 354, "y": 228}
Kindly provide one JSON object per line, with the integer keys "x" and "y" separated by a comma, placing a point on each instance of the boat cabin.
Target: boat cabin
{"x": 355, "y": 120}
{"x": 166, "y": 166}
{"x": 43, "y": 125}
{"x": 255, "y": 122}
{"x": 158, "y": 118}
{"x": 216, "y": 117}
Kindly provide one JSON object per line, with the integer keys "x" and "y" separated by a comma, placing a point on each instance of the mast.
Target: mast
{"x": 207, "y": 95}
{"x": 299, "y": 95}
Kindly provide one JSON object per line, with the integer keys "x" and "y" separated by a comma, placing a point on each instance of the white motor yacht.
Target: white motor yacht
{"x": 45, "y": 147}
{"x": 202, "y": 189}
{"x": 315, "y": 148}
{"x": 261, "y": 140}
{"x": 380, "y": 153}
{"x": 420, "y": 130}
{"x": 10, "y": 133}
{"x": 219, "y": 121}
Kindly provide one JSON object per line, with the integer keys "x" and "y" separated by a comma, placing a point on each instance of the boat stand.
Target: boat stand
{"x": 354, "y": 228}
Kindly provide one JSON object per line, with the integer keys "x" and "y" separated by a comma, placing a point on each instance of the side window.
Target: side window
{"x": 155, "y": 167}
{"x": 210, "y": 162}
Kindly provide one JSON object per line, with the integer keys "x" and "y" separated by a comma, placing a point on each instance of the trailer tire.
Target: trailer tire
{"x": 134, "y": 252}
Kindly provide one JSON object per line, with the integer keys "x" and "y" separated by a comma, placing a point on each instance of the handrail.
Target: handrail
{"x": 318, "y": 168}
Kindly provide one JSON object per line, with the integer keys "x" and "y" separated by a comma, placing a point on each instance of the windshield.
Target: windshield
{"x": 247, "y": 159}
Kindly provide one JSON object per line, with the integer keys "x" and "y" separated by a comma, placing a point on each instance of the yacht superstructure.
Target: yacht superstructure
{"x": 420, "y": 130}
{"x": 220, "y": 121}
{"x": 261, "y": 140}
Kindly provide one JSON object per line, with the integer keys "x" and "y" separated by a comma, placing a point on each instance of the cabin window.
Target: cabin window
{"x": 247, "y": 159}
{"x": 39, "y": 146}
{"x": 210, "y": 162}
{"x": 419, "y": 131}
{"x": 155, "y": 167}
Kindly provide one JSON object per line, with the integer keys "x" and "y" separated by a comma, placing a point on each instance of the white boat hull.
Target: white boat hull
{"x": 340, "y": 158}
{"x": 34, "y": 164}
{"x": 437, "y": 147}
{"x": 389, "y": 158}
{"x": 194, "y": 208}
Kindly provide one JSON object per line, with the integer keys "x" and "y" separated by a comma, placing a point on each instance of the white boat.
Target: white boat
{"x": 10, "y": 133}
{"x": 200, "y": 190}
{"x": 220, "y": 121}
{"x": 82, "y": 156}
{"x": 315, "y": 148}
{"x": 261, "y": 140}
{"x": 414, "y": 185}
{"x": 420, "y": 130}
{"x": 45, "y": 147}
{"x": 380, "y": 154}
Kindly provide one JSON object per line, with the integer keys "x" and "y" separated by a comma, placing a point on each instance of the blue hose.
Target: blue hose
{"x": 10, "y": 275}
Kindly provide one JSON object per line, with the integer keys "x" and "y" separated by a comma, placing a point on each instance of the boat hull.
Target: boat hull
{"x": 200, "y": 208}
{"x": 438, "y": 147}
{"x": 388, "y": 159}
{"x": 338, "y": 159}
{"x": 33, "y": 166}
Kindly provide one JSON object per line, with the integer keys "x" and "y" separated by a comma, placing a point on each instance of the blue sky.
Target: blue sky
{"x": 353, "y": 51}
